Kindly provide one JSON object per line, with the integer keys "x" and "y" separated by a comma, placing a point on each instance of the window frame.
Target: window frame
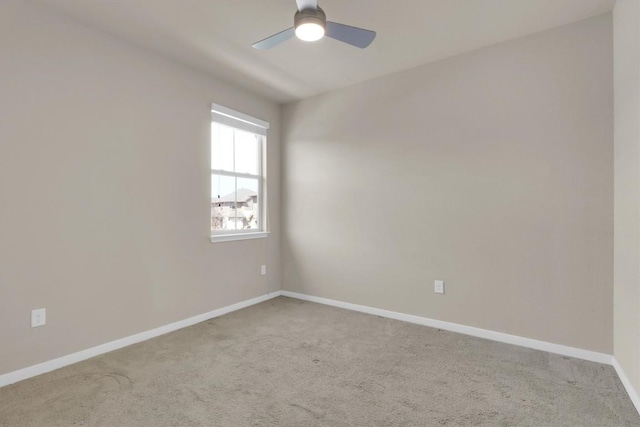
{"x": 242, "y": 122}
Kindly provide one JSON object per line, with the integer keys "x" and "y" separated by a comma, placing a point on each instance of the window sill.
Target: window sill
{"x": 241, "y": 236}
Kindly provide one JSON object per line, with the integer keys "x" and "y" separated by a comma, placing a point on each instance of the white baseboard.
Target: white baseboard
{"x": 633, "y": 394}
{"x": 578, "y": 353}
{"x": 41, "y": 368}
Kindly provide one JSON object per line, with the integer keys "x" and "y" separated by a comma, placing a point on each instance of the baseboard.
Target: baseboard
{"x": 578, "y": 353}
{"x": 51, "y": 365}
{"x": 41, "y": 368}
{"x": 633, "y": 394}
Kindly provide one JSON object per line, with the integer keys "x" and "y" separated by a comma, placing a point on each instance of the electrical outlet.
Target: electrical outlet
{"x": 38, "y": 317}
{"x": 438, "y": 287}
{"x": 263, "y": 270}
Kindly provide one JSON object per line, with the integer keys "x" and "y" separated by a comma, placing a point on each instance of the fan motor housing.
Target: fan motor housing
{"x": 310, "y": 16}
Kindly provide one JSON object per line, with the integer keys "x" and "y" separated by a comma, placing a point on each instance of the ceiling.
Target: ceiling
{"x": 216, "y": 35}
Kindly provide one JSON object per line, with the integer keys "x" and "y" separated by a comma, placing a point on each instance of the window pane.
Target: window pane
{"x": 248, "y": 203}
{"x": 223, "y": 203}
{"x": 221, "y": 147}
{"x": 247, "y": 152}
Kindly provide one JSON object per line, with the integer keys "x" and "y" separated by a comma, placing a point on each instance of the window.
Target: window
{"x": 238, "y": 208}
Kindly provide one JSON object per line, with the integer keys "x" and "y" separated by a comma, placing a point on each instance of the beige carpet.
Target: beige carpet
{"x": 291, "y": 363}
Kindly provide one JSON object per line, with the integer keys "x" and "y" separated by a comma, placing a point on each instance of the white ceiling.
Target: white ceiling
{"x": 216, "y": 35}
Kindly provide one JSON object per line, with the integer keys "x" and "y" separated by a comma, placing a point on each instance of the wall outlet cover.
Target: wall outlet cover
{"x": 38, "y": 317}
{"x": 438, "y": 287}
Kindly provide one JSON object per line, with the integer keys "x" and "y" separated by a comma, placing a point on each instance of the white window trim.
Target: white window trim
{"x": 215, "y": 238}
{"x": 227, "y": 116}
{"x": 221, "y": 114}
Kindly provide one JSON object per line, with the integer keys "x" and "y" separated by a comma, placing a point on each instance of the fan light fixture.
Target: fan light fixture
{"x": 310, "y": 31}
{"x": 310, "y": 24}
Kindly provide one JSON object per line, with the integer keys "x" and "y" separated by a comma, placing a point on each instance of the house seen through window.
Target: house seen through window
{"x": 237, "y": 175}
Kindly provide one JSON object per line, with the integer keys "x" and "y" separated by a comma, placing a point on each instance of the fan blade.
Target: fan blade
{"x": 275, "y": 39}
{"x": 307, "y": 4}
{"x": 358, "y": 37}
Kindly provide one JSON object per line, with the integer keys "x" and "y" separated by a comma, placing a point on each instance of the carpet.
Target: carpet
{"x": 286, "y": 362}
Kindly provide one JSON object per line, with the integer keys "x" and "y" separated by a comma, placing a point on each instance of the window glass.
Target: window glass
{"x": 246, "y": 152}
{"x": 223, "y": 203}
{"x": 222, "y": 147}
{"x": 248, "y": 202}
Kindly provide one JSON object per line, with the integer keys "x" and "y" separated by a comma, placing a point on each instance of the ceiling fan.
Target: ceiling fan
{"x": 310, "y": 24}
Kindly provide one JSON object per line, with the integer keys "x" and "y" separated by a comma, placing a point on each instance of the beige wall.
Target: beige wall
{"x": 627, "y": 188}
{"x": 492, "y": 170}
{"x": 105, "y": 190}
